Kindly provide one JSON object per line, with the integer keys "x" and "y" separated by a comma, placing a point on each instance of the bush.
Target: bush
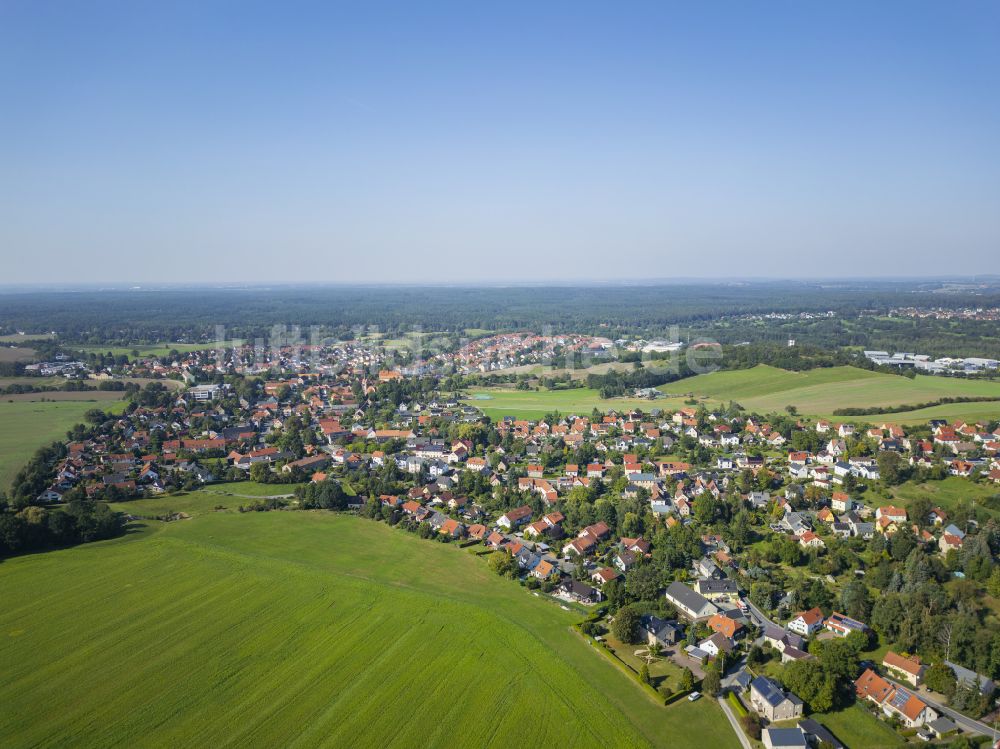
{"x": 751, "y": 724}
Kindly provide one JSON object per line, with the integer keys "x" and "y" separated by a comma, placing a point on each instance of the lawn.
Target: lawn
{"x": 818, "y": 392}
{"x": 304, "y": 629}
{"x": 856, "y": 727}
{"x": 251, "y": 489}
{"x": 531, "y": 404}
{"x": 662, "y": 671}
{"x": 26, "y": 426}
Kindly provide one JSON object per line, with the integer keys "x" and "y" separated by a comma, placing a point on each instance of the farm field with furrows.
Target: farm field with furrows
{"x": 303, "y": 629}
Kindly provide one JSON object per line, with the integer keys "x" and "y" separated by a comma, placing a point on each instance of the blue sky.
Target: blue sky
{"x": 284, "y": 142}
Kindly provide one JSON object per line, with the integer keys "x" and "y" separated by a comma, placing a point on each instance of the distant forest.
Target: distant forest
{"x": 717, "y": 311}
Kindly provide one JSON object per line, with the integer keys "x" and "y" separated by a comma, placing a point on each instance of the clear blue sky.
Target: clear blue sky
{"x": 237, "y": 141}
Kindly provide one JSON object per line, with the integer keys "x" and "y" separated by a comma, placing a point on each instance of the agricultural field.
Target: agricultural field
{"x": 27, "y": 338}
{"x": 91, "y": 396}
{"x": 531, "y": 404}
{"x": 544, "y": 370}
{"x": 819, "y": 392}
{"x": 232, "y": 629}
{"x": 16, "y": 353}
{"x": 26, "y": 426}
{"x": 159, "y": 349}
{"x": 765, "y": 389}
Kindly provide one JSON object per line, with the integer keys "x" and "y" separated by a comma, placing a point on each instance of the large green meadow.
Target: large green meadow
{"x": 818, "y": 392}
{"x": 534, "y": 404}
{"x": 304, "y": 629}
{"x": 766, "y": 389}
{"x": 25, "y": 426}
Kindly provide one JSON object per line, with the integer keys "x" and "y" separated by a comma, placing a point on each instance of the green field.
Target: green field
{"x": 251, "y": 489}
{"x": 15, "y": 338}
{"x": 159, "y": 349}
{"x": 949, "y": 494}
{"x": 818, "y": 392}
{"x": 304, "y": 629}
{"x": 765, "y": 389}
{"x": 857, "y": 728}
{"x": 530, "y": 404}
{"x": 25, "y": 426}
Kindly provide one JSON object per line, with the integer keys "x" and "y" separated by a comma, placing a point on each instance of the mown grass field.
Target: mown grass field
{"x": 25, "y": 426}
{"x": 855, "y": 727}
{"x": 304, "y": 629}
{"x": 530, "y": 404}
{"x": 819, "y": 392}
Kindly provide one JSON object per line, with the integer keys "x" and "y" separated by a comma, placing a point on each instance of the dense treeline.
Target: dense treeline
{"x": 71, "y": 386}
{"x": 913, "y": 406}
{"x": 129, "y": 317}
{"x": 38, "y": 528}
{"x": 794, "y": 358}
{"x": 615, "y": 383}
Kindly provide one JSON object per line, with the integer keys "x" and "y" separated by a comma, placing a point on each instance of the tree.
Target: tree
{"x": 890, "y": 467}
{"x": 503, "y": 563}
{"x": 752, "y": 726}
{"x": 902, "y": 543}
{"x": 625, "y": 627}
{"x": 642, "y": 582}
{"x": 941, "y": 679}
{"x": 687, "y": 680}
{"x": 810, "y": 681}
{"x": 712, "y": 683}
{"x": 260, "y": 473}
{"x": 855, "y": 601}
{"x": 993, "y": 584}
{"x": 762, "y": 594}
{"x": 644, "y": 674}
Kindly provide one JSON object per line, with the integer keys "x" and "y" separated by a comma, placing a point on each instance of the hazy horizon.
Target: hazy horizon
{"x": 247, "y": 144}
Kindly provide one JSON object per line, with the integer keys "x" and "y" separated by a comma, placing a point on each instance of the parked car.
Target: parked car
{"x": 694, "y": 696}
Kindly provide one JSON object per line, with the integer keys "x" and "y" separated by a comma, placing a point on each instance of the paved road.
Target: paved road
{"x": 758, "y": 616}
{"x": 734, "y": 723}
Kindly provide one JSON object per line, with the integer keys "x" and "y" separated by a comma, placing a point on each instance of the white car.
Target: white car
{"x": 694, "y": 696}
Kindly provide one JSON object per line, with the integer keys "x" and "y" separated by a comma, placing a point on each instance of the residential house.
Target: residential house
{"x": 688, "y": 602}
{"x": 784, "y": 738}
{"x": 907, "y": 669}
{"x": 580, "y": 592}
{"x": 515, "y": 518}
{"x": 807, "y": 623}
{"x": 842, "y": 625}
{"x": 772, "y": 702}
{"x": 664, "y": 631}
